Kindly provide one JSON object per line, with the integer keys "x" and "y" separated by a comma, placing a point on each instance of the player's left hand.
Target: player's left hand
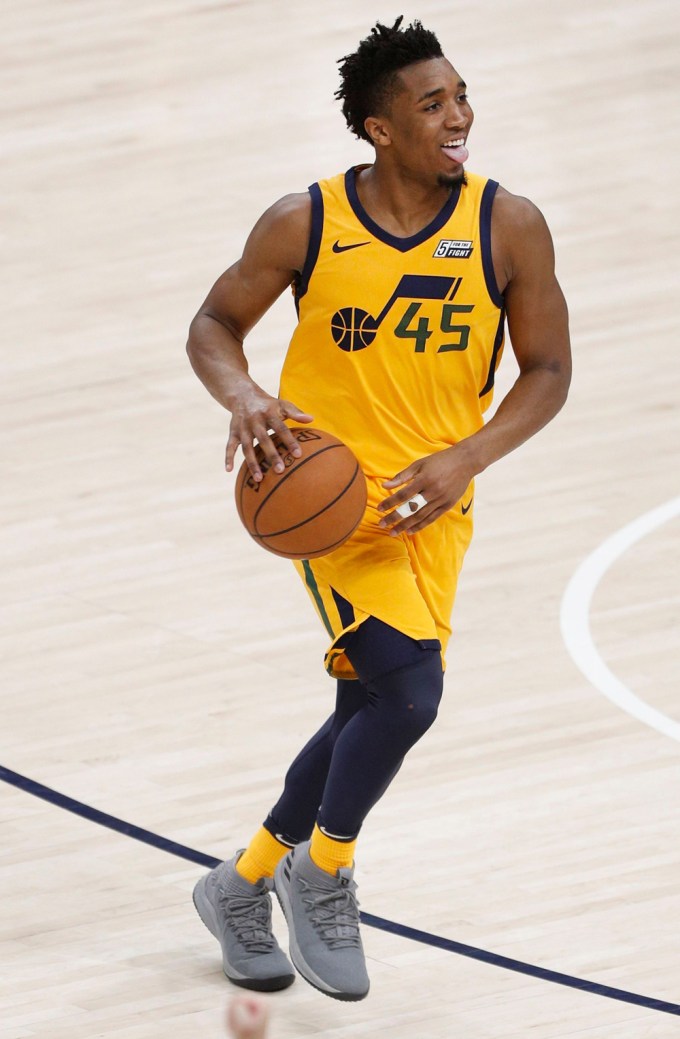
{"x": 441, "y": 479}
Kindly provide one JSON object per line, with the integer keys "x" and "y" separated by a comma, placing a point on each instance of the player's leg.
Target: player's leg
{"x": 292, "y": 818}
{"x": 315, "y": 881}
{"x": 404, "y": 681}
{"x": 234, "y": 902}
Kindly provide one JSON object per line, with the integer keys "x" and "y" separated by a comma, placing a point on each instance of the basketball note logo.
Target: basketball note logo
{"x": 452, "y": 248}
{"x": 354, "y": 329}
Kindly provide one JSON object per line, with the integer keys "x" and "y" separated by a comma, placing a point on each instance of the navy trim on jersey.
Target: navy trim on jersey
{"x": 402, "y": 244}
{"x": 345, "y": 609}
{"x": 302, "y": 282}
{"x": 497, "y": 343}
{"x": 486, "y": 205}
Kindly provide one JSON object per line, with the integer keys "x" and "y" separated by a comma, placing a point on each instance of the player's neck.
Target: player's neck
{"x": 400, "y": 205}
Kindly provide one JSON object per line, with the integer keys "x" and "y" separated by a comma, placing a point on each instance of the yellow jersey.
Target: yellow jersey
{"x": 398, "y": 339}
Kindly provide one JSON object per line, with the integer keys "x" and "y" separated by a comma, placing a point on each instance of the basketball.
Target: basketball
{"x": 312, "y": 506}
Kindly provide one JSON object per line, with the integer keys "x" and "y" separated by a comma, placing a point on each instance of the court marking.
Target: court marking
{"x": 575, "y": 618}
{"x": 111, "y": 822}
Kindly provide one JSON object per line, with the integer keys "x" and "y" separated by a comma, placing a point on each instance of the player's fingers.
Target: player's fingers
{"x": 232, "y": 446}
{"x": 422, "y": 520}
{"x": 252, "y": 461}
{"x": 405, "y": 476}
{"x": 400, "y": 497}
{"x": 290, "y": 410}
{"x": 260, "y": 430}
{"x": 408, "y": 525}
{"x": 287, "y": 438}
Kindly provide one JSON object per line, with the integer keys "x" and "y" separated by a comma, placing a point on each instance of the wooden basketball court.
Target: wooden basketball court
{"x": 161, "y": 668}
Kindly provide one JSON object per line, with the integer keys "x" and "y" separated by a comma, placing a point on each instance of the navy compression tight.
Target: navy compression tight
{"x": 348, "y": 764}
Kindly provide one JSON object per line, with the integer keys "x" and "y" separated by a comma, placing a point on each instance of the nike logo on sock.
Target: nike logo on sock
{"x": 337, "y": 248}
{"x": 336, "y": 836}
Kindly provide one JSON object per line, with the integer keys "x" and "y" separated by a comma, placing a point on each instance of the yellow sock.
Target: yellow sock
{"x": 331, "y": 855}
{"x": 261, "y": 857}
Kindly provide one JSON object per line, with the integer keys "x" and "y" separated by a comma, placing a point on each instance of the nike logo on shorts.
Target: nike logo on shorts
{"x": 466, "y": 508}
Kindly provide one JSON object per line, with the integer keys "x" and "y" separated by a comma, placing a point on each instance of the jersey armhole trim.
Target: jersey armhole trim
{"x": 488, "y": 195}
{"x": 495, "y": 355}
{"x": 302, "y": 283}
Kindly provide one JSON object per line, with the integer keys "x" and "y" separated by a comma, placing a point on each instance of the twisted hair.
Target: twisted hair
{"x": 369, "y": 76}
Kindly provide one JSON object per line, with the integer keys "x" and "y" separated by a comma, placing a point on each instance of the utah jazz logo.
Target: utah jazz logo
{"x": 354, "y": 329}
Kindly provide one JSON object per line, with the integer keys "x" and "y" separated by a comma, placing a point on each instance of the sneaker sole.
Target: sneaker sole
{"x": 207, "y": 914}
{"x": 299, "y": 962}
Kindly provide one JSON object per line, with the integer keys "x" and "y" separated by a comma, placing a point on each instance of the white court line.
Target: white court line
{"x": 575, "y": 618}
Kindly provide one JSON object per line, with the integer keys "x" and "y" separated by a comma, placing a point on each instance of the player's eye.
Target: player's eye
{"x": 433, "y": 106}
{"x": 463, "y": 99}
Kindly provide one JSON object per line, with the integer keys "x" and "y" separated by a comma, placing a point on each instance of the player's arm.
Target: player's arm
{"x": 538, "y": 324}
{"x": 274, "y": 253}
{"x": 539, "y": 330}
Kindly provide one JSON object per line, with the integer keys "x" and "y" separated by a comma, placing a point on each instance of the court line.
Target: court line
{"x": 30, "y": 786}
{"x": 575, "y": 618}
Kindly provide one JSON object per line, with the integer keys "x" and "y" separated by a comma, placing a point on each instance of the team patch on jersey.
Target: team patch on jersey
{"x": 453, "y": 248}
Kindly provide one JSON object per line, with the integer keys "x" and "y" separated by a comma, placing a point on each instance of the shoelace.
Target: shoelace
{"x": 334, "y": 914}
{"x": 250, "y": 918}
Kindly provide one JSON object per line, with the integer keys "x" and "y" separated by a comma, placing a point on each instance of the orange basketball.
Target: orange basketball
{"x": 312, "y": 506}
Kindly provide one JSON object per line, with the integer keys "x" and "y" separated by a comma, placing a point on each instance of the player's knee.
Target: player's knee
{"x": 421, "y": 715}
{"x": 412, "y": 695}
{"x": 426, "y": 688}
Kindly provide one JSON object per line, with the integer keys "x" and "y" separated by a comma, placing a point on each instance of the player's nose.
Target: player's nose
{"x": 456, "y": 118}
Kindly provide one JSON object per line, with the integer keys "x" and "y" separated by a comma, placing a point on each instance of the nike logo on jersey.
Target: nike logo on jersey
{"x": 466, "y": 508}
{"x": 337, "y": 248}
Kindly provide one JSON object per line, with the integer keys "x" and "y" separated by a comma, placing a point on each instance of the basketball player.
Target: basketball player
{"x": 404, "y": 272}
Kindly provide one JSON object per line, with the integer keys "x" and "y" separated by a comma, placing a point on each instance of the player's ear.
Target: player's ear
{"x": 378, "y": 130}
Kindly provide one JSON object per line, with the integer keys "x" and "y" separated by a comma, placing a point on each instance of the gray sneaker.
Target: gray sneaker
{"x": 322, "y": 914}
{"x": 239, "y": 914}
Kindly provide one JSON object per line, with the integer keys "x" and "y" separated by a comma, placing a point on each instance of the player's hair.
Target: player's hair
{"x": 370, "y": 75}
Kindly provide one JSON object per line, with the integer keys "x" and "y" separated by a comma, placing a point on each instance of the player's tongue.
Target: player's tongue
{"x": 458, "y": 154}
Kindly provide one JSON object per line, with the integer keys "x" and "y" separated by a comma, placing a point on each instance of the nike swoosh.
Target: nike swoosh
{"x": 337, "y": 248}
{"x": 335, "y": 836}
{"x": 466, "y": 508}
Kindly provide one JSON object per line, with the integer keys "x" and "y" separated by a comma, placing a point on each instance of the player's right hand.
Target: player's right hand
{"x": 254, "y": 414}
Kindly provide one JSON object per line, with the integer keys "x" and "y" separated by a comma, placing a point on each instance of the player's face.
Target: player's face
{"x": 429, "y": 122}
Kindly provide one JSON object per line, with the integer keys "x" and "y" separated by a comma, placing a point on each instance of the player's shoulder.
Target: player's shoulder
{"x": 521, "y": 239}
{"x": 290, "y": 212}
{"x": 282, "y": 232}
{"x": 516, "y": 213}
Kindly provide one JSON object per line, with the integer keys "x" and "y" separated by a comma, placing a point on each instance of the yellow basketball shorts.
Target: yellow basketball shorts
{"x": 406, "y": 582}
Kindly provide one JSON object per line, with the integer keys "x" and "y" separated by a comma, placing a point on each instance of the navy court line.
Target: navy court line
{"x": 30, "y": 786}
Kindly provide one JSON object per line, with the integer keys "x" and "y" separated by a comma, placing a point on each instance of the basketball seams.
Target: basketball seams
{"x": 308, "y": 519}
{"x": 295, "y": 468}
{"x": 323, "y": 550}
{"x": 308, "y": 555}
